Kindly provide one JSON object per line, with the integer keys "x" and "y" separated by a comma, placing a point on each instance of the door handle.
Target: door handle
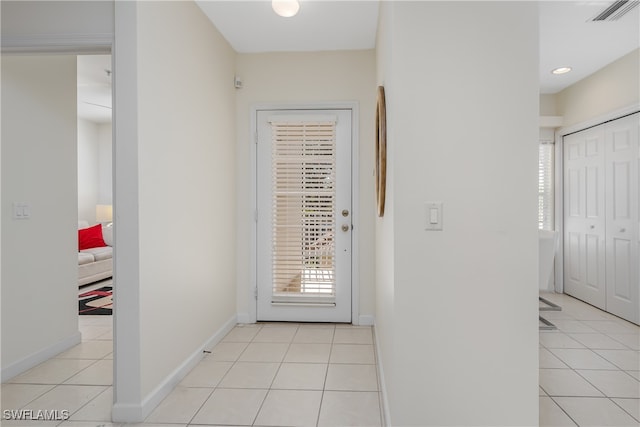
{"x": 345, "y": 227}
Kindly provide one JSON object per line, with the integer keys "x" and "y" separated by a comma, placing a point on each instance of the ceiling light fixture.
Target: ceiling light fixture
{"x": 561, "y": 70}
{"x": 285, "y": 8}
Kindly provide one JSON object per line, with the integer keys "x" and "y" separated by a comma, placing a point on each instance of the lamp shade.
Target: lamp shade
{"x": 104, "y": 213}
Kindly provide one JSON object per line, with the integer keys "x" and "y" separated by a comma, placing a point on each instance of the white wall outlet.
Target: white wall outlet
{"x": 433, "y": 216}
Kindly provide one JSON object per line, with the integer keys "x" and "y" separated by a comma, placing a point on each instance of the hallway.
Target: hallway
{"x": 272, "y": 374}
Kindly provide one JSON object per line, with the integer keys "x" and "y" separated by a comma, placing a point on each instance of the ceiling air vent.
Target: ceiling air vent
{"x": 616, "y": 10}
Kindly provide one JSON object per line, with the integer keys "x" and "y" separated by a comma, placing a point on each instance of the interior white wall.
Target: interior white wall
{"x": 463, "y": 131}
{"x": 547, "y": 134}
{"x": 39, "y": 161}
{"x": 178, "y": 220}
{"x": 305, "y": 78}
{"x": 88, "y": 170}
{"x": 94, "y": 167}
{"x": 385, "y": 241}
{"x": 105, "y": 164}
{"x": 548, "y": 105}
{"x": 611, "y": 88}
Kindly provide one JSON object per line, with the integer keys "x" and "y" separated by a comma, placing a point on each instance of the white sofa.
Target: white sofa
{"x": 96, "y": 263}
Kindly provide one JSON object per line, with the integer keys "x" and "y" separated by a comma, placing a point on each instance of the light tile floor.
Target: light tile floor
{"x": 264, "y": 375}
{"x": 321, "y": 375}
{"x": 589, "y": 367}
{"x": 281, "y": 375}
{"x": 78, "y": 380}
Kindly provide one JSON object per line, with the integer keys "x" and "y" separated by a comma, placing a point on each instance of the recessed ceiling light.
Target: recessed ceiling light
{"x": 561, "y": 70}
{"x": 285, "y": 8}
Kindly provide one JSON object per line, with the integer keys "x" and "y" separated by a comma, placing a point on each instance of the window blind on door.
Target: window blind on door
{"x": 303, "y": 209}
{"x": 545, "y": 185}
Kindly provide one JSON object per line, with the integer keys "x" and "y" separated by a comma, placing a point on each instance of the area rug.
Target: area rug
{"x": 96, "y": 302}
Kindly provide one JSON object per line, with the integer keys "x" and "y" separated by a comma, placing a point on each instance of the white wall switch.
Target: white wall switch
{"x": 21, "y": 210}
{"x": 433, "y": 216}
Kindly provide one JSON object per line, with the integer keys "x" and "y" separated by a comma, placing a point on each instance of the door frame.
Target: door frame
{"x": 559, "y": 179}
{"x": 77, "y": 44}
{"x": 355, "y": 197}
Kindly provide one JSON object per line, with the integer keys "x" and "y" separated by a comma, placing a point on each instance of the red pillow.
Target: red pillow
{"x": 90, "y": 237}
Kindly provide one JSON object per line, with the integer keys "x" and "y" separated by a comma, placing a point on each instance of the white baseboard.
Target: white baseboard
{"x": 40, "y": 356}
{"x": 122, "y": 412}
{"x": 224, "y": 330}
{"x": 137, "y": 413}
{"x": 366, "y": 320}
{"x": 384, "y": 401}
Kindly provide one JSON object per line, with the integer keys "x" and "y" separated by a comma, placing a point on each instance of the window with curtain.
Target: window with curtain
{"x": 545, "y": 185}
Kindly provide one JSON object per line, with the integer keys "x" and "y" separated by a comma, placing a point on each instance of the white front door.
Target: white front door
{"x": 584, "y": 216}
{"x": 304, "y": 221}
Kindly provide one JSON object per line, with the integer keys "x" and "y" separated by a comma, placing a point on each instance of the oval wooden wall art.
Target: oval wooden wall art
{"x": 381, "y": 151}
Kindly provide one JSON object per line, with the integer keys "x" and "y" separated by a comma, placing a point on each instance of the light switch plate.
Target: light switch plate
{"x": 433, "y": 216}
{"x": 21, "y": 210}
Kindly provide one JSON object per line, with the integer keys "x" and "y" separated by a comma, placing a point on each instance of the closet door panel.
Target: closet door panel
{"x": 573, "y": 258}
{"x": 621, "y": 270}
{"x": 621, "y": 147}
{"x": 593, "y": 262}
{"x": 593, "y": 192}
{"x": 574, "y": 215}
{"x": 584, "y": 218}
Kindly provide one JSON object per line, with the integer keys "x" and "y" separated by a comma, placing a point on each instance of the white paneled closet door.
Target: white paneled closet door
{"x": 621, "y": 154}
{"x": 584, "y": 217}
{"x": 601, "y": 225}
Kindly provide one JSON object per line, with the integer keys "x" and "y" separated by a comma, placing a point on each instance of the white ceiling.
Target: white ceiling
{"x": 252, "y": 26}
{"x": 94, "y": 88}
{"x": 567, "y": 38}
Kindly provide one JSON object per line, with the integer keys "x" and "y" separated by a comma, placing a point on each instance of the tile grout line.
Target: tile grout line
{"x": 35, "y": 398}
{"x": 222, "y": 378}
{"x": 376, "y": 360}
{"x": 624, "y": 410}
{"x": 90, "y": 400}
{"x": 326, "y": 374}
{"x": 590, "y": 383}
{"x": 201, "y": 406}
{"x": 553, "y": 397}
{"x": 255, "y": 418}
{"x": 618, "y": 368}
{"x": 103, "y": 358}
{"x": 592, "y": 350}
{"x": 563, "y": 410}
{"x": 575, "y": 370}
{"x": 93, "y": 362}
